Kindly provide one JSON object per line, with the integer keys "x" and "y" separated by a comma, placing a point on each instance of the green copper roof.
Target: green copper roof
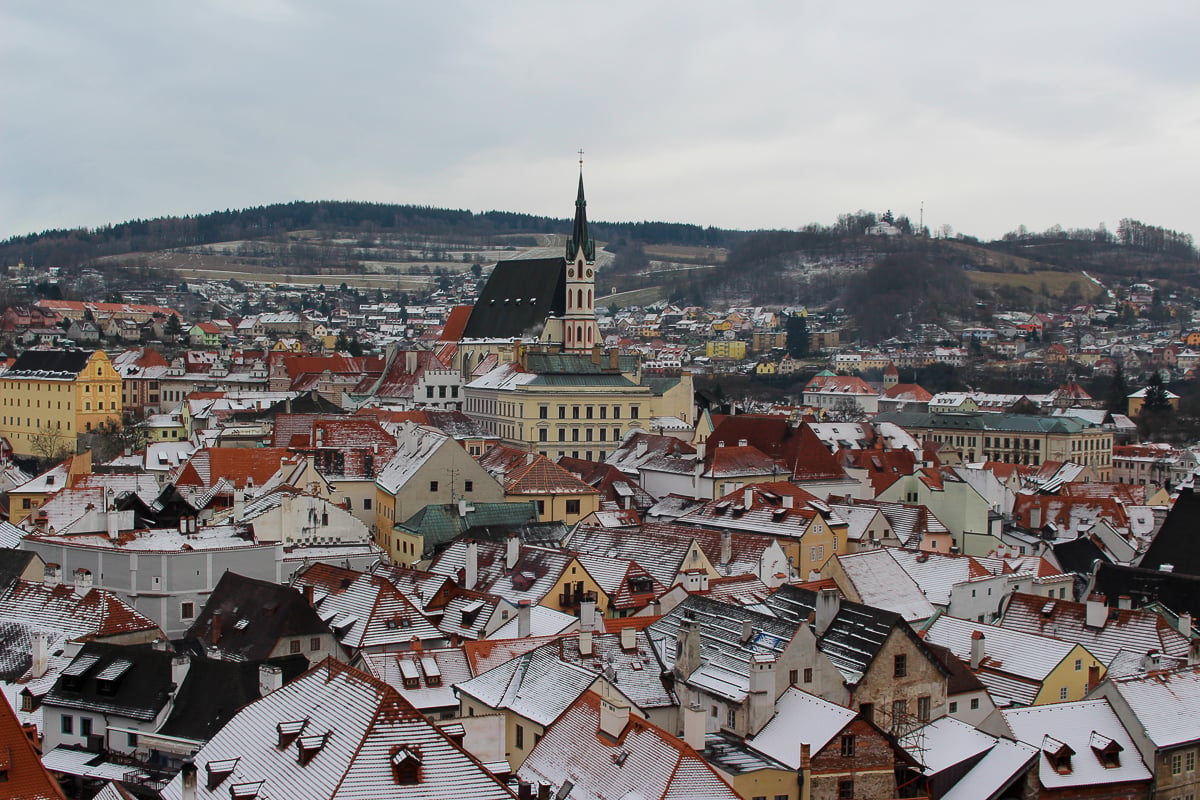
{"x": 580, "y": 238}
{"x": 441, "y": 523}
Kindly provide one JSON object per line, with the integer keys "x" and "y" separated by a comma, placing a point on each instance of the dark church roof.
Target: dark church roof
{"x": 518, "y": 298}
{"x": 49, "y": 364}
{"x": 1175, "y": 542}
{"x": 580, "y": 237}
{"x": 1176, "y": 591}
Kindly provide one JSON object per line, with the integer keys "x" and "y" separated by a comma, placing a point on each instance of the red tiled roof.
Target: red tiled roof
{"x": 456, "y": 323}
{"x": 543, "y": 476}
{"x": 235, "y": 464}
{"x": 25, "y": 777}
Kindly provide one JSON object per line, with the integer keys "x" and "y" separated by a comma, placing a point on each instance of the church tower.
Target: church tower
{"x": 580, "y": 331}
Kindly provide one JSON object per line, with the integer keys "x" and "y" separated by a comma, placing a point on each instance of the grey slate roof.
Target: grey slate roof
{"x": 49, "y": 364}
{"x": 518, "y": 297}
{"x": 131, "y": 681}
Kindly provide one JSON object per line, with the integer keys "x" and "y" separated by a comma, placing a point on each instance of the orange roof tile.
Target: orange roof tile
{"x": 26, "y": 778}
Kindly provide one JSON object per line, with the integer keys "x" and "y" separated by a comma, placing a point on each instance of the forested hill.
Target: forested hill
{"x": 70, "y": 248}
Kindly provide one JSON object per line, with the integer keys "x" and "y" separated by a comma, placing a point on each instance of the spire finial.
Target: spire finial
{"x": 581, "y": 158}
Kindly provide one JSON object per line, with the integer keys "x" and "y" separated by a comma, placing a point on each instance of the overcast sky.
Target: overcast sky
{"x": 747, "y": 115}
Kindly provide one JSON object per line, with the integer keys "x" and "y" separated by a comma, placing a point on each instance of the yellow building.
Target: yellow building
{"x": 559, "y": 495}
{"x": 48, "y": 397}
{"x": 725, "y": 348}
{"x": 28, "y": 497}
{"x": 573, "y": 405}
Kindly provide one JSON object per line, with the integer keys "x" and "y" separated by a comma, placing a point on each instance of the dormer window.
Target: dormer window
{"x": 309, "y": 747}
{"x": 288, "y": 731}
{"x": 1058, "y": 754}
{"x": 219, "y": 771}
{"x": 406, "y": 765}
{"x": 1107, "y": 751}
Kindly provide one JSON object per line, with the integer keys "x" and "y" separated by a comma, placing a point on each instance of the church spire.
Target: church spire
{"x": 580, "y": 238}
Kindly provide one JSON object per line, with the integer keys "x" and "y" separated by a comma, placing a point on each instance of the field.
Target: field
{"x": 1055, "y": 283}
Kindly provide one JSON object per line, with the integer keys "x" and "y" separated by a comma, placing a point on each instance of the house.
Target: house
{"x": 424, "y": 677}
{"x": 1085, "y": 750}
{"x": 1020, "y": 669}
{"x": 558, "y": 494}
{"x": 51, "y": 396}
{"x": 333, "y": 730}
{"x": 598, "y": 747}
{"x": 435, "y": 526}
{"x": 1161, "y": 712}
{"x": 246, "y": 619}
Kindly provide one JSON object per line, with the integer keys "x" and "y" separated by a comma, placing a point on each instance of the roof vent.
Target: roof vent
{"x": 288, "y": 731}
{"x": 219, "y": 771}
{"x": 406, "y": 765}
{"x": 245, "y": 791}
{"x": 310, "y": 746}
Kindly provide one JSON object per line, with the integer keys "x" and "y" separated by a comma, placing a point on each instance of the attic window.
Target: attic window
{"x": 721, "y": 507}
{"x": 1107, "y": 750}
{"x": 241, "y": 624}
{"x": 245, "y": 791}
{"x": 219, "y": 771}
{"x": 1048, "y": 610}
{"x": 288, "y": 731}
{"x": 1058, "y": 754}
{"x": 410, "y": 674}
{"x": 433, "y": 673}
{"x": 406, "y": 765}
{"x": 309, "y": 747}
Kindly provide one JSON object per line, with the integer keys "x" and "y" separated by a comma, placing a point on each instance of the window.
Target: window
{"x": 562, "y": 412}
{"x": 1062, "y": 693}
{"x": 923, "y": 708}
{"x": 295, "y": 647}
{"x": 900, "y": 665}
{"x": 793, "y": 676}
{"x": 634, "y": 412}
{"x": 187, "y": 610}
{"x": 899, "y": 710}
{"x": 131, "y": 740}
{"x": 846, "y": 789}
{"x": 68, "y": 724}
{"x": 85, "y": 726}
{"x": 974, "y": 703}
{"x": 367, "y": 504}
{"x": 1189, "y": 761}
{"x": 1176, "y": 760}
{"x": 1078, "y": 664}
{"x": 733, "y": 718}
{"x": 714, "y": 712}
{"x": 433, "y": 486}
{"x": 314, "y": 643}
{"x": 468, "y": 486}
{"x": 953, "y": 707}
{"x": 808, "y": 674}
{"x": 541, "y": 507}
{"x": 574, "y": 412}
{"x": 543, "y": 435}
{"x": 520, "y": 737}
{"x": 572, "y": 506}
{"x": 847, "y": 745}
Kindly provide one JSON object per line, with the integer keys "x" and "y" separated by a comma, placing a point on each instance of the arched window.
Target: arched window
{"x": 589, "y": 298}
{"x": 579, "y": 333}
{"x": 579, "y": 300}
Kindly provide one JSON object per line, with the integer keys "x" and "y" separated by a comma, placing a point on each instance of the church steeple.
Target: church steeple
{"x": 580, "y": 238}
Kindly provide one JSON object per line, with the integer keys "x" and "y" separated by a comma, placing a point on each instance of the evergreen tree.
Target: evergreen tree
{"x": 1118, "y": 393}
{"x": 797, "y": 336}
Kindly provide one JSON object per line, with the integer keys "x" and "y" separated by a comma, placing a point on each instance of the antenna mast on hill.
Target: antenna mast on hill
{"x": 922, "y": 228}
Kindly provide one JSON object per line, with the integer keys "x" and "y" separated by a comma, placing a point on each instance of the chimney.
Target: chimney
{"x": 687, "y": 648}
{"x": 410, "y": 361}
{"x": 805, "y": 771}
{"x": 41, "y": 653}
{"x": 1093, "y": 677}
{"x": 614, "y": 716}
{"x": 1124, "y": 602}
{"x": 215, "y": 628}
{"x": 1097, "y": 611}
{"x": 587, "y": 615}
{"x": 976, "y": 649}
{"x": 789, "y": 501}
{"x": 762, "y": 691}
{"x": 52, "y": 575}
{"x": 614, "y": 358}
{"x": 693, "y": 726}
{"x": 747, "y": 630}
{"x": 1185, "y": 625}
{"x": 524, "y": 618}
{"x": 112, "y": 523}
{"x": 308, "y": 594}
{"x": 640, "y": 447}
{"x": 629, "y": 640}
{"x": 524, "y": 791}
{"x": 83, "y": 581}
{"x": 270, "y": 678}
{"x": 471, "y": 568}
{"x": 543, "y": 792}
{"x": 596, "y": 350}
{"x": 1035, "y": 517}
{"x": 726, "y": 546}
{"x": 828, "y": 604}
{"x": 585, "y": 643}
{"x": 239, "y": 504}
{"x": 748, "y": 497}
{"x": 512, "y": 551}
{"x": 188, "y": 775}
{"x": 179, "y": 670}
{"x": 700, "y": 451}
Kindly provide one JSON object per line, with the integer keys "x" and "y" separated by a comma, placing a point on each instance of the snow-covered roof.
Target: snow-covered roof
{"x": 800, "y": 717}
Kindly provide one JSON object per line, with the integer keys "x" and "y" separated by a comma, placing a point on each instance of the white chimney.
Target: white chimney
{"x": 1185, "y": 625}
{"x": 977, "y": 652}
{"x": 747, "y": 497}
{"x": 524, "y": 618}
{"x": 1096, "y": 613}
{"x": 270, "y": 678}
{"x": 179, "y": 669}
{"x": 239, "y": 504}
{"x": 762, "y": 691}
{"x": 41, "y": 653}
{"x": 1124, "y": 602}
{"x": 629, "y": 639}
{"x": 52, "y": 574}
{"x": 587, "y": 615}
{"x": 693, "y": 726}
{"x": 83, "y": 581}
{"x": 585, "y": 643}
{"x": 512, "y": 551}
{"x": 1035, "y": 517}
{"x": 471, "y": 567}
{"x": 726, "y": 547}
{"x": 747, "y": 630}
{"x": 789, "y": 501}
{"x": 614, "y": 716}
{"x": 112, "y": 524}
{"x": 687, "y": 648}
{"x": 828, "y": 604}
{"x": 188, "y": 775}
